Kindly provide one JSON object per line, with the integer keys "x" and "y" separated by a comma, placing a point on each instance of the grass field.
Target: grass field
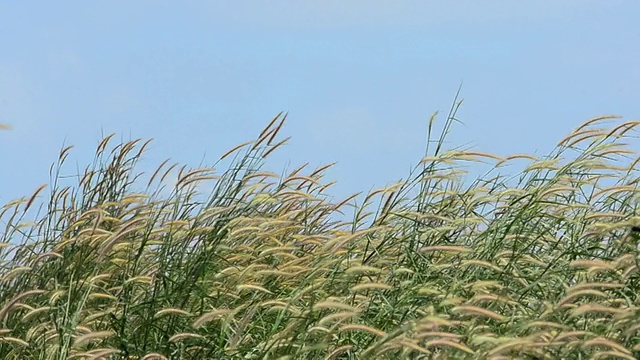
{"x": 542, "y": 264}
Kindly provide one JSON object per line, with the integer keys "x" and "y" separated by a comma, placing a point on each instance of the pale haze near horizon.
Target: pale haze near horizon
{"x": 359, "y": 80}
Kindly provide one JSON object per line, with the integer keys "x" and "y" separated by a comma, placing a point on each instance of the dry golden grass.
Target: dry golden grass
{"x": 543, "y": 265}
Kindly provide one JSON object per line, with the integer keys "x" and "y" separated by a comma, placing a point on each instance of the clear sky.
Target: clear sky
{"x": 358, "y": 78}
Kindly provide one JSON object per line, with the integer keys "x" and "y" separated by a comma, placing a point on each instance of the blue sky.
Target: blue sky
{"x": 359, "y": 79}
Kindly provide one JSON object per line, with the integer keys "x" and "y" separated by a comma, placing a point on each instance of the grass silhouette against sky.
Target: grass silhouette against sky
{"x": 359, "y": 79}
{"x": 539, "y": 262}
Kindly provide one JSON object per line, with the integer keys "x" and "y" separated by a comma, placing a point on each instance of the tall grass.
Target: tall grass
{"x": 541, "y": 265}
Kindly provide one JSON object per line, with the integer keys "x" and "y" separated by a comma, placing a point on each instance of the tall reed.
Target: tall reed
{"x": 121, "y": 264}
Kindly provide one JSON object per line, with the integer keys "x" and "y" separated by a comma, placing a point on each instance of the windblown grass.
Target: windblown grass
{"x": 542, "y": 265}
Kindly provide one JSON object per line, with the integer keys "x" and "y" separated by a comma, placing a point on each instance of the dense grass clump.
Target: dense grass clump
{"x": 542, "y": 265}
